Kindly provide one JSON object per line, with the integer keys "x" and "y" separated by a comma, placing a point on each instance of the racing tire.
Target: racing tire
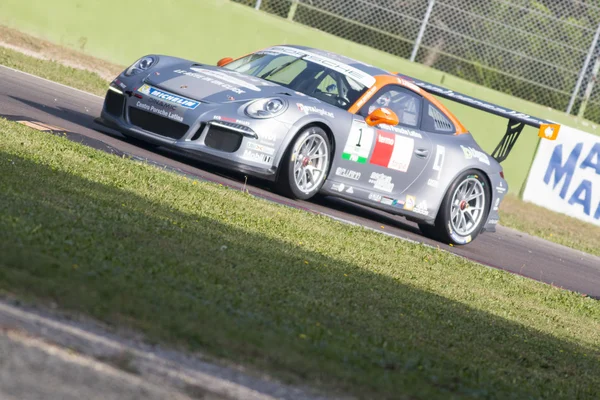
{"x": 463, "y": 212}
{"x": 305, "y": 165}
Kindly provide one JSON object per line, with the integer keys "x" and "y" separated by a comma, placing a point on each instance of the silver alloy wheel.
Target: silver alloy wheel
{"x": 467, "y": 209}
{"x": 310, "y": 162}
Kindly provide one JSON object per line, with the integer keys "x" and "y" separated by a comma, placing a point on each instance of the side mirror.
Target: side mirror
{"x": 382, "y": 116}
{"x": 224, "y": 61}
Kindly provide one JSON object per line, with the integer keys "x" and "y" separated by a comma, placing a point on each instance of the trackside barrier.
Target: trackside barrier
{"x": 565, "y": 175}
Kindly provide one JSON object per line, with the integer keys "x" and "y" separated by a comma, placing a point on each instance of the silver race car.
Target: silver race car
{"x": 317, "y": 122}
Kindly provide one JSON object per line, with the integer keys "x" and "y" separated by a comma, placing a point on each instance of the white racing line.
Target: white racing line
{"x": 52, "y": 82}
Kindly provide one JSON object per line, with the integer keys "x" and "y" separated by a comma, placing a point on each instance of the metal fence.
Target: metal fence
{"x": 545, "y": 51}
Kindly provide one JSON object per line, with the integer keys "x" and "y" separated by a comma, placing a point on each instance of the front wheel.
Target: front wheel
{"x": 463, "y": 211}
{"x": 305, "y": 164}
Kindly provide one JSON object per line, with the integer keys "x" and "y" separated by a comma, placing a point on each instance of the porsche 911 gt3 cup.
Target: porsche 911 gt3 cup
{"x": 317, "y": 122}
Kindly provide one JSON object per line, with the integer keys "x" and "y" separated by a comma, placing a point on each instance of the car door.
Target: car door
{"x": 385, "y": 160}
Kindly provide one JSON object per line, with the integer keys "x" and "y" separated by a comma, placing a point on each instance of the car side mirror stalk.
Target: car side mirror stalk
{"x": 382, "y": 116}
{"x": 224, "y": 61}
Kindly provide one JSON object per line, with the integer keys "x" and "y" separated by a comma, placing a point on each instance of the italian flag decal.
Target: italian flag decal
{"x": 392, "y": 151}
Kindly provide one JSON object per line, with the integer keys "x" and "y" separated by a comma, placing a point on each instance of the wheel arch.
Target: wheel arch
{"x": 327, "y": 130}
{"x": 480, "y": 172}
{"x": 302, "y": 128}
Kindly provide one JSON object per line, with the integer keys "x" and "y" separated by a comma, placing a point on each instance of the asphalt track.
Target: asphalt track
{"x": 29, "y": 98}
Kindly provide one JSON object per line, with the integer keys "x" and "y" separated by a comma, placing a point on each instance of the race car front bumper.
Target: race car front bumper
{"x": 205, "y": 135}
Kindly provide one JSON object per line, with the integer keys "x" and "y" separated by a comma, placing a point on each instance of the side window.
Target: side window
{"x": 328, "y": 85}
{"x": 435, "y": 121}
{"x": 405, "y": 103}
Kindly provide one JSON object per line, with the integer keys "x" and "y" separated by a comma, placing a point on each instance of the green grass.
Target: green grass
{"x": 54, "y": 71}
{"x": 549, "y": 225}
{"x": 207, "y": 30}
{"x": 298, "y": 295}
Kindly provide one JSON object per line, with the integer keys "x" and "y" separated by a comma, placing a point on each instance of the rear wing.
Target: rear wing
{"x": 516, "y": 120}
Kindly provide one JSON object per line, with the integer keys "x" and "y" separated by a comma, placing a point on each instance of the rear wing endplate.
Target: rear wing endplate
{"x": 516, "y": 120}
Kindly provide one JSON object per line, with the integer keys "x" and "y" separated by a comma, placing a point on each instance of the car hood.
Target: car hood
{"x": 212, "y": 84}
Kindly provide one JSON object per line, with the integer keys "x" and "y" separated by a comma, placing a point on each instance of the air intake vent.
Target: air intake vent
{"x": 113, "y": 104}
{"x": 223, "y": 139}
{"x": 157, "y": 124}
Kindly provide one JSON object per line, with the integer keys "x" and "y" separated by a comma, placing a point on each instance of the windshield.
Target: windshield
{"x": 301, "y": 75}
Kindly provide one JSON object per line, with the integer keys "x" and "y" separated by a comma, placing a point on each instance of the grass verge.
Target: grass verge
{"x": 54, "y": 71}
{"x": 515, "y": 213}
{"x": 550, "y": 225}
{"x": 298, "y": 295}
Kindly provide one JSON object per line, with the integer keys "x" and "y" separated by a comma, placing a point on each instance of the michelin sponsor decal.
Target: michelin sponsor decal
{"x": 162, "y": 104}
{"x": 565, "y": 175}
{"x": 181, "y": 101}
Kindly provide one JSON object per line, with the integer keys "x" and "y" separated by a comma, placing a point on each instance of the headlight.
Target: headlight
{"x": 266, "y": 108}
{"x": 141, "y": 65}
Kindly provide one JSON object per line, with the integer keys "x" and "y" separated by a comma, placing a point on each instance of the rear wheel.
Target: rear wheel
{"x": 305, "y": 164}
{"x": 463, "y": 211}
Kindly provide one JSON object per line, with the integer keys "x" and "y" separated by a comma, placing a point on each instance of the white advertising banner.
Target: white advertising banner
{"x": 565, "y": 175}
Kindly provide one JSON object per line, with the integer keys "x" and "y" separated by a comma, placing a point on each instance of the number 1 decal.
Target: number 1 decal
{"x": 359, "y": 143}
{"x": 360, "y": 137}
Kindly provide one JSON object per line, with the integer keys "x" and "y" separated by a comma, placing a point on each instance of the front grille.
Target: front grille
{"x": 113, "y": 104}
{"x": 223, "y": 139}
{"x": 157, "y": 124}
